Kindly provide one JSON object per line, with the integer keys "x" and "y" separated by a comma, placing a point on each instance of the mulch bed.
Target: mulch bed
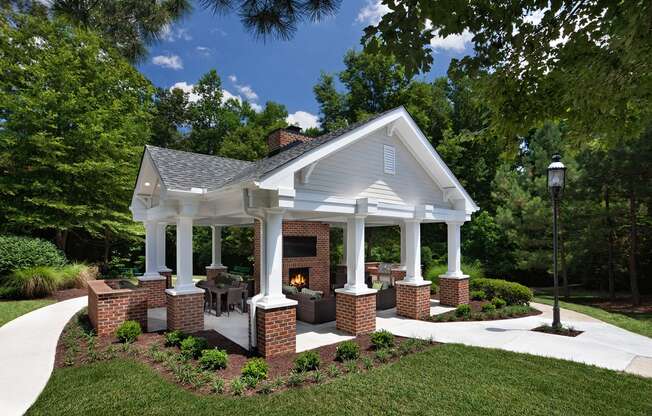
{"x": 478, "y": 315}
{"x": 279, "y": 367}
{"x": 566, "y": 332}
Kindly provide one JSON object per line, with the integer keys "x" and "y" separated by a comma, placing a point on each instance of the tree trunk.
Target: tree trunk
{"x": 61, "y": 238}
{"x": 107, "y": 245}
{"x": 610, "y": 246}
{"x": 633, "y": 278}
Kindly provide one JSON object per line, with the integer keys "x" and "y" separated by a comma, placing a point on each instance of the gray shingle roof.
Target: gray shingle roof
{"x": 185, "y": 170}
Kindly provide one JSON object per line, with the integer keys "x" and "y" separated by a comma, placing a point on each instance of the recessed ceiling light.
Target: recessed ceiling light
{"x": 147, "y": 184}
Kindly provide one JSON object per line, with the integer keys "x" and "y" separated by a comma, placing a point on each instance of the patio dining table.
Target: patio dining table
{"x": 219, "y": 292}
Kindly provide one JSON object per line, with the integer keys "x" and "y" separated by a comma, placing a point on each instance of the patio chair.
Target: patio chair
{"x": 234, "y": 298}
{"x": 208, "y": 295}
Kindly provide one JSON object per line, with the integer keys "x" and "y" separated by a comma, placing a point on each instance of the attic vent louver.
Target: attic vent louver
{"x": 389, "y": 159}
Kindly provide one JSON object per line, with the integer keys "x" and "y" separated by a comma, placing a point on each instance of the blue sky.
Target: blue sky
{"x": 281, "y": 71}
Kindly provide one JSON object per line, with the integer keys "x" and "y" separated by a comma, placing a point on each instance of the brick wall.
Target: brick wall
{"x": 109, "y": 305}
{"x": 355, "y": 314}
{"x": 155, "y": 292}
{"x": 453, "y": 292}
{"x": 283, "y": 137}
{"x": 168, "y": 279}
{"x": 413, "y": 301}
{"x": 185, "y": 312}
{"x": 319, "y": 265}
{"x": 276, "y": 331}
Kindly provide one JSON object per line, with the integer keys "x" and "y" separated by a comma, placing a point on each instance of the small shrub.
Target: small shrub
{"x": 26, "y": 252}
{"x": 213, "y": 359}
{"x": 333, "y": 371}
{"x": 192, "y": 347}
{"x": 351, "y": 366}
{"x": 513, "y": 293}
{"x": 318, "y": 377}
{"x": 256, "y": 368}
{"x": 478, "y": 295}
{"x": 250, "y": 382}
{"x": 185, "y": 373}
{"x": 383, "y": 356}
{"x": 346, "y": 351}
{"x": 488, "y": 307}
{"x": 382, "y": 339}
{"x": 498, "y": 303}
{"x": 463, "y": 310}
{"x": 128, "y": 331}
{"x": 307, "y": 361}
{"x": 367, "y": 363}
{"x": 174, "y": 338}
{"x": 217, "y": 386}
{"x": 237, "y": 386}
{"x": 295, "y": 379}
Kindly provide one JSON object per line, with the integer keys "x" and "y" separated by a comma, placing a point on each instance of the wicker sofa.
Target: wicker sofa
{"x": 312, "y": 310}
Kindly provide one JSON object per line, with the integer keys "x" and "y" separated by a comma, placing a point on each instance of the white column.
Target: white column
{"x": 454, "y": 251}
{"x": 355, "y": 283}
{"x": 403, "y": 242}
{"x": 272, "y": 274}
{"x": 150, "y": 251}
{"x": 413, "y": 251}
{"x": 184, "y": 283}
{"x": 217, "y": 246}
{"x": 160, "y": 247}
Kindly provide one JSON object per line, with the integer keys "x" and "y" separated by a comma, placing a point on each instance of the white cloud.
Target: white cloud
{"x": 226, "y": 95}
{"x": 303, "y": 119}
{"x": 203, "y": 50}
{"x": 170, "y": 35}
{"x": 372, "y": 12}
{"x": 187, "y": 88}
{"x": 168, "y": 61}
{"x": 455, "y": 42}
{"x": 243, "y": 89}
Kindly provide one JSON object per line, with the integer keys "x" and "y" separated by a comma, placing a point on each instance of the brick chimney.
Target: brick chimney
{"x": 280, "y": 138}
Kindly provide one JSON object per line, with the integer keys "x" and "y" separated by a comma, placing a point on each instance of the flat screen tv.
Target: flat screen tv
{"x": 295, "y": 246}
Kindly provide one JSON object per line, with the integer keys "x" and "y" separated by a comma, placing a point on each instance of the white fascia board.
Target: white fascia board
{"x": 287, "y": 173}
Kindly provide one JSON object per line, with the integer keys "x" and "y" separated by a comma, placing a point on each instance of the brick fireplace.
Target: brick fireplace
{"x": 309, "y": 255}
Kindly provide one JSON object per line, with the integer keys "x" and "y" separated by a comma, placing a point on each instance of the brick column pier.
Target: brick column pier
{"x": 413, "y": 299}
{"x": 155, "y": 287}
{"x": 185, "y": 311}
{"x": 212, "y": 272}
{"x": 453, "y": 291}
{"x": 276, "y": 330}
{"x": 355, "y": 313}
{"x": 168, "y": 277}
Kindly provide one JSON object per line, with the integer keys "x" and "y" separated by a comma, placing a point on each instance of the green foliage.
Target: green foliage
{"x": 38, "y": 282}
{"x": 383, "y": 356}
{"x": 307, "y": 361}
{"x": 498, "y": 303}
{"x": 333, "y": 371}
{"x": 382, "y": 339}
{"x": 295, "y": 379}
{"x": 473, "y": 269}
{"x": 347, "y": 350}
{"x": 192, "y": 347}
{"x": 128, "y": 331}
{"x": 237, "y": 386}
{"x": 174, "y": 338}
{"x": 214, "y": 359}
{"x": 26, "y": 252}
{"x": 513, "y": 293}
{"x": 478, "y": 295}
{"x": 256, "y": 368}
{"x": 75, "y": 118}
{"x": 488, "y": 307}
{"x": 463, "y": 310}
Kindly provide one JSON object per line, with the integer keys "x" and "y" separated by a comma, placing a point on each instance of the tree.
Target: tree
{"x": 584, "y": 61}
{"x": 170, "y": 116}
{"x": 74, "y": 116}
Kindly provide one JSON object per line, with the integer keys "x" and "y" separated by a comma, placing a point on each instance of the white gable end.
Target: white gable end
{"x": 376, "y": 166}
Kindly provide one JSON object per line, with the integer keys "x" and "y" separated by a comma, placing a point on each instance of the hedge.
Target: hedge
{"x": 513, "y": 293}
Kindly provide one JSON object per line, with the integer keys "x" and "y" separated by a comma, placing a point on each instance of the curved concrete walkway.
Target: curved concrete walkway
{"x": 27, "y": 348}
{"x": 601, "y": 344}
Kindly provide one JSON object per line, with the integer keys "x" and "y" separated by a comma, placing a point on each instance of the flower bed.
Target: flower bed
{"x": 563, "y": 331}
{"x": 241, "y": 373}
{"x": 478, "y": 311}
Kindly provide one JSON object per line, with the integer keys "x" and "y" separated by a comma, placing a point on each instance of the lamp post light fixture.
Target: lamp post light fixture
{"x": 556, "y": 182}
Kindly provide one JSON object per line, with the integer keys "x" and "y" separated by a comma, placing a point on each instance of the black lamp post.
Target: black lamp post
{"x": 556, "y": 181}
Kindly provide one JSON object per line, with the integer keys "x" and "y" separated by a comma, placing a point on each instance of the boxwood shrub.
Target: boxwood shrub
{"x": 382, "y": 339}
{"x": 256, "y": 368}
{"x": 192, "y": 347}
{"x": 24, "y": 252}
{"x": 513, "y": 293}
{"x": 128, "y": 331}
{"x": 346, "y": 351}
{"x": 214, "y": 359}
{"x": 307, "y": 361}
{"x": 174, "y": 338}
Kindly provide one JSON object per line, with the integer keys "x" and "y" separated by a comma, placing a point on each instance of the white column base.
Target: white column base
{"x": 150, "y": 276}
{"x": 361, "y": 291}
{"x": 459, "y": 276}
{"x": 216, "y": 266}
{"x": 164, "y": 270}
{"x": 189, "y": 290}
{"x": 414, "y": 283}
{"x": 269, "y": 302}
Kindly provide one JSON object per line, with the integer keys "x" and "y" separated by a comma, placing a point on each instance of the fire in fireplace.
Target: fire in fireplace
{"x": 299, "y": 277}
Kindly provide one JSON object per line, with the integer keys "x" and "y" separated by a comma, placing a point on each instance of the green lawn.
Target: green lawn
{"x": 12, "y": 309}
{"x": 638, "y": 323}
{"x": 446, "y": 380}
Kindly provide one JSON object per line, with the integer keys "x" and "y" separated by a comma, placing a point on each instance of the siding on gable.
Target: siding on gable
{"x": 357, "y": 171}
